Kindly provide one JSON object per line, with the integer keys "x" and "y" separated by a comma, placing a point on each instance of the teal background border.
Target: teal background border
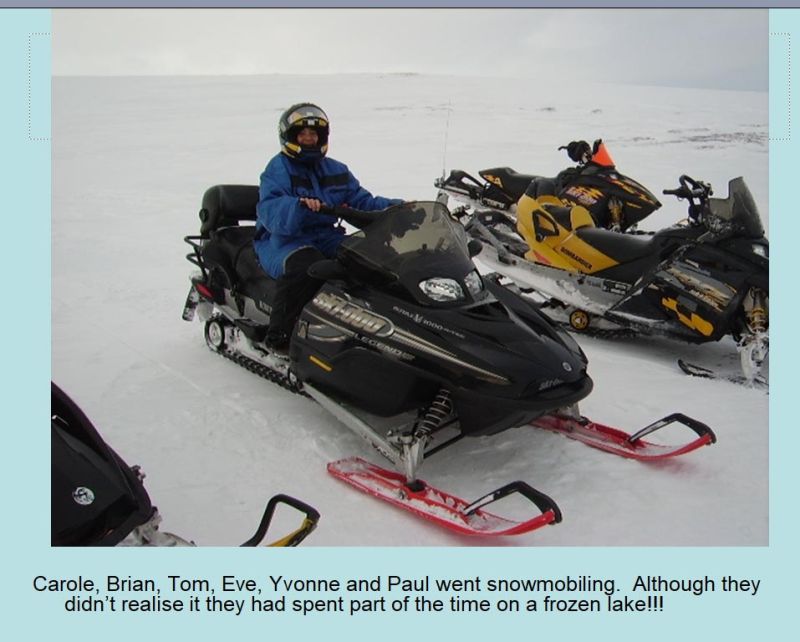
{"x": 783, "y": 153}
{"x": 26, "y": 363}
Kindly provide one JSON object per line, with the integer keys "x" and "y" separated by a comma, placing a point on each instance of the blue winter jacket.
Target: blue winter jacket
{"x": 285, "y": 225}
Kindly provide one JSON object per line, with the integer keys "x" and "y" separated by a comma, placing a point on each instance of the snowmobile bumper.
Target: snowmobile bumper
{"x": 483, "y": 414}
{"x": 201, "y": 298}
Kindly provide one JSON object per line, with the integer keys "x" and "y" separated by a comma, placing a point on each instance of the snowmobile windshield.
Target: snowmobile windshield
{"x": 736, "y": 215}
{"x": 416, "y": 243}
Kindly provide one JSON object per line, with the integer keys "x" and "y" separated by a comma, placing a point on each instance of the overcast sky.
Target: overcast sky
{"x": 713, "y": 48}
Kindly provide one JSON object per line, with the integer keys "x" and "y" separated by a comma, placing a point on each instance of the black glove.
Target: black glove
{"x": 578, "y": 150}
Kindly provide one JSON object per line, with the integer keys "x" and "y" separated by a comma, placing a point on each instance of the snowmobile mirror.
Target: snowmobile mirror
{"x": 474, "y": 247}
{"x": 327, "y": 270}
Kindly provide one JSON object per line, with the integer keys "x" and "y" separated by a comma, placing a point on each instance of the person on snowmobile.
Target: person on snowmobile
{"x": 291, "y": 232}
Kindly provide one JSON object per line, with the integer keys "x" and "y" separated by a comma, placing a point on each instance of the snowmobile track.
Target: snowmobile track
{"x": 263, "y": 371}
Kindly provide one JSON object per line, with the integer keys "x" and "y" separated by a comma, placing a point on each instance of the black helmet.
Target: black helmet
{"x": 296, "y": 118}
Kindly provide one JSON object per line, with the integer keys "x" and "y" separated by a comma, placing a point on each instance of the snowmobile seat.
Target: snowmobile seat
{"x": 570, "y": 217}
{"x": 230, "y": 250}
{"x": 253, "y": 281}
{"x": 538, "y": 219}
{"x": 224, "y": 246}
{"x": 542, "y": 186}
{"x": 511, "y": 182}
{"x": 226, "y": 206}
{"x": 623, "y": 248}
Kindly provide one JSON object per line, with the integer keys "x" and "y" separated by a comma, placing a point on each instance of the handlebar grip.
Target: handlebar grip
{"x": 543, "y": 502}
{"x": 698, "y": 427}
{"x": 356, "y": 218}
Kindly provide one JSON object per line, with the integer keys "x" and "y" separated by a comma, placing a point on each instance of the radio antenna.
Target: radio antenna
{"x": 446, "y": 132}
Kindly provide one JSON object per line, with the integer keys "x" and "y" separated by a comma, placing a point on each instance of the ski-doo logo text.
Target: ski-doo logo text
{"x": 353, "y": 315}
{"x": 576, "y": 258}
{"x": 584, "y": 195}
{"x": 550, "y": 383}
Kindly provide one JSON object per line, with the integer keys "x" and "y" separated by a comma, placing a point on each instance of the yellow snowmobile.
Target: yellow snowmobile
{"x": 698, "y": 281}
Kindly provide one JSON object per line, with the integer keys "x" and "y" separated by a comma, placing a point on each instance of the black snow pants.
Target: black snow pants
{"x": 294, "y": 289}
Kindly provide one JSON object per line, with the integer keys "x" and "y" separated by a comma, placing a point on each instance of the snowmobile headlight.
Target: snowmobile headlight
{"x": 473, "y": 282}
{"x": 441, "y": 289}
{"x": 761, "y": 250}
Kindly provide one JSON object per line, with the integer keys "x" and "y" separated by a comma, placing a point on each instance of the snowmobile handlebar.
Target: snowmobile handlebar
{"x": 697, "y": 193}
{"x": 294, "y": 538}
{"x": 582, "y": 152}
{"x": 690, "y": 188}
{"x": 356, "y": 218}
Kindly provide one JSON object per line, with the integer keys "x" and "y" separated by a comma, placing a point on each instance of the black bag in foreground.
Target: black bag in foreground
{"x": 96, "y": 498}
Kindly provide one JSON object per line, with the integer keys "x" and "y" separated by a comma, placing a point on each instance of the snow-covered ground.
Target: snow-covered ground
{"x": 131, "y": 159}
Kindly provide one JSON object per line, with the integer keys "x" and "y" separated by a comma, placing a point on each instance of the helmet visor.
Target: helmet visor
{"x": 306, "y": 116}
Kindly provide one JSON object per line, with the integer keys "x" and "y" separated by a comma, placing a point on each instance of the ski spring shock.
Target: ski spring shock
{"x": 436, "y": 413}
{"x": 756, "y": 311}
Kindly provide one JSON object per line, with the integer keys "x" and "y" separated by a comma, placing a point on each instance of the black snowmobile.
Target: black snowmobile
{"x": 614, "y": 200}
{"x": 408, "y": 346}
{"x": 98, "y": 500}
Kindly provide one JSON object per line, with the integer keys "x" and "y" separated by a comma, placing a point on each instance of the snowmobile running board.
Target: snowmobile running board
{"x": 440, "y": 507}
{"x": 620, "y": 443}
{"x": 694, "y": 370}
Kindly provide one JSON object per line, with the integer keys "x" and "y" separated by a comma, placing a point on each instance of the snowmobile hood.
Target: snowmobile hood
{"x": 607, "y": 184}
{"x": 501, "y": 347}
{"x": 435, "y": 304}
{"x": 507, "y": 333}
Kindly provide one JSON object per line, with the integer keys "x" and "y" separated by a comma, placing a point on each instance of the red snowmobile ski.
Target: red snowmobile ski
{"x": 467, "y": 518}
{"x": 619, "y": 442}
{"x": 443, "y": 508}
